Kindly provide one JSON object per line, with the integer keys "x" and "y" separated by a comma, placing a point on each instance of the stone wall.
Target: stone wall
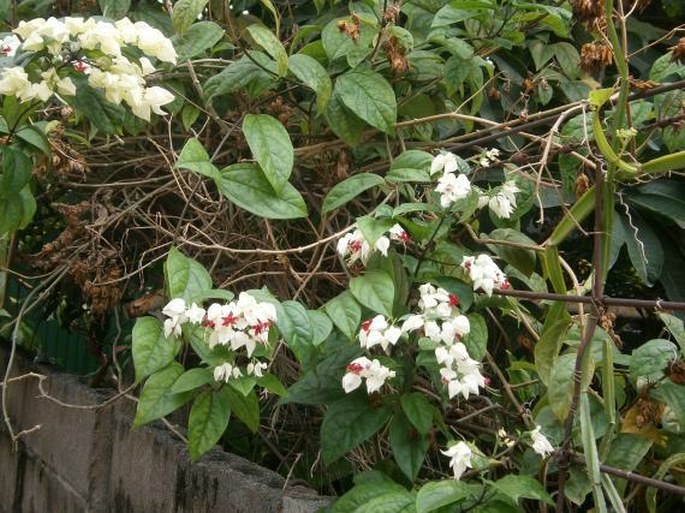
{"x": 91, "y": 460}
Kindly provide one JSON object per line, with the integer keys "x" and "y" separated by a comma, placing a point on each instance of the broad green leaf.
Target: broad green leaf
{"x": 346, "y": 313}
{"x": 189, "y": 115}
{"x": 245, "y": 407}
{"x": 516, "y": 487}
{"x": 17, "y": 210}
{"x": 268, "y": 4}
{"x": 476, "y": 341}
{"x": 199, "y": 38}
{"x": 546, "y": 350}
{"x": 271, "y": 147}
{"x": 627, "y": 450}
{"x": 156, "y": 398}
{"x": 192, "y": 379}
{"x": 673, "y": 395}
{"x": 344, "y": 123}
{"x": 247, "y": 186}
{"x": 321, "y": 326}
{"x": 560, "y": 386}
{"x": 408, "y": 446}
{"x": 313, "y": 75}
{"x": 337, "y": 44}
{"x": 650, "y": 359}
{"x": 296, "y": 328}
{"x": 644, "y": 249}
{"x": 349, "y": 422}
{"x": 114, "y": 9}
{"x": 375, "y": 290}
{"x": 523, "y": 259}
{"x": 185, "y": 13}
{"x": 16, "y": 171}
{"x": 270, "y": 43}
{"x": 568, "y": 58}
{"x": 272, "y": 384}
{"x": 242, "y": 75}
{"x": 243, "y": 384}
{"x": 359, "y": 498}
{"x": 437, "y": 494}
{"x": 418, "y": 410}
{"x": 151, "y": 349}
{"x": 411, "y": 166}
{"x": 349, "y": 189}
{"x": 207, "y": 421}
{"x": 185, "y": 278}
{"x": 369, "y": 96}
{"x": 91, "y": 102}
{"x": 36, "y": 137}
{"x": 676, "y": 327}
{"x": 373, "y": 229}
{"x": 194, "y": 157}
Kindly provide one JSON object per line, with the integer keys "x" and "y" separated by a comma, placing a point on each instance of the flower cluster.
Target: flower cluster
{"x": 98, "y": 49}
{"x": 484, "y": 273}
{"x": 376, "y": 331}
{"x": 241, "y": 323}
{"x": 452, "y": 187}
{"x": 445, "y": 325}
{"x": 226, "y": 371}
{"x": 373, "y": 372}
{"x": 354, "y": 247}
{"x": 460, "y": 458}
{"x": 541, "y": 444}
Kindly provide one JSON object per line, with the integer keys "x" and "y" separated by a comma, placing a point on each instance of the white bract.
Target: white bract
{"x": 225, "y": 372}
{"x": 460, "y": 458}
{"x": 488, "y": 157}
{"x": 353, "y": 247}
{"x": 362, "y": 368}
{"x": 445, "y": 162}
{"x": 376, "y": 331}
{"x": 175, "y": 310}
{"x": 541, "y": 444}
{"x": 502, "y": 204}
{"x": 94, "y": 48}
{"x": 484, "y": 273}
{"x": 452, "y": 188}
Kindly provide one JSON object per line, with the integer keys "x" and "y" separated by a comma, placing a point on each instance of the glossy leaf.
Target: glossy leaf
{"x": 346, "y": 313}
{"x": 375, "y": 290}
{"x": 349, "y": 189}
{"x": 437, "y": 494}
{"x": 516, "y": 487}
{"x": 418, "y": 411}
{"x": 185, "y": 278}
{"x": 151, "y": 349}
{"x": 199, "y": 38}
{"x": 208, "y": 420}
{"x": 369, "y": 96}
{"x": 194, "y": 157}
{"x": 313, "y": 75}
{"x": 185, "y": 13}
{"x": 245, "y": 407}
{"x": 156, "y": 398}
{"x": 408, "y": 446}
{"x": 271, "y": 44}
{"x": 651, "y": 358}
{"x": 296, "y": 328}
{"x": 192, "y": 379}
{"x": 344, "y": 123}
{"x": 270, "y": 144}
{"x": 247, "y": 186}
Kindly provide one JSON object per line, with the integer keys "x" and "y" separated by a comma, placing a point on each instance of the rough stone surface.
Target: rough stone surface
{"x": 90, "y": 460}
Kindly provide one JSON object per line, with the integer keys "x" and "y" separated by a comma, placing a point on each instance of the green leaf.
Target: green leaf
{"x": 523, "y": 259}
{"x": 375, "y": 290}
{"x": 372, "y": 497}
{"x": 244, "y": 384}
{"x": 270, "y": 144}
{"x": 369, "y": 96}
{"x": 156, "y": 398}
{"x": 241, "y": 75}
{"x": 476, "y": 341}
{"x": 321, "y": 326}
{"x": 268, "y": 4}
{"x": 560, "y": 386}
{"x": 247, "y": 186}
{"x": 313, "y": 75}
{"x": 192, "y": 379}
{"x": 346, "y": 313}
{"x": 418, "y": 410}
{"x": 547, "y": 349}
{"x": 92, "y": 103}
{"x": 408, "y": 446}
{"x": 675, "y": 327}
{"x": 270, "y": 43}
{"x": 437, "y": 494}
{"x": 185, "y": 278}
{"x": 36, "y": 137}
{"x": 627, "y": 450}
{"x": 644, "y": 248}
{"x": 272, "y": 384}
{"x": 296, "y": 328}
{"x": 114, "y": 9}
{"x": 199, "y": 38}
{"x": 245, "y": 407}
{"x": 567, "y": 57}
{"x": 185, "y": 13}
{"x": 16, "y": 171}
{"x": 17, "y": 210}
{"x": 349, "y": 422}
{"x": 194, "y": 157}
{"x": 651, "y": 358}
{"x": 349, "y": 189}
{"x": 151, "y": 349}
{"x": 674, "y": 397}
{"x": 411, "y": 166}
{"x": 517, "y": 486}
{"x": 189, "y": 115}
{"x": 344, "y": 123}
{"x": 207, "y": 421}
{"x": 373, "y": 229}
{"x": 337, "y": 44}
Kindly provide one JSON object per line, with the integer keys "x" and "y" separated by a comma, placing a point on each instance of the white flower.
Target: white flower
{"x": 226, "y": 371}
{"x": 382, "y": 245}
{"x": 256, "y": 369}
{"x": 484, "y": 273}
{"x": 154, "y": 43}
{"x": 9, "y": 45}
{"x": 363, "y": 368}
{"x": 541, "y": 444}
{"x": 501, "y": 206}
{"x": 445, "y": 162}
{"x": 488, "y": 156}
{"x": 376, "y": 331}
{"x": 15, "y": 82}
{"x": 399, "y": 234}
{"x": 452, "y": 188}
{"x": 195, "y": 314}
{"x": 175, "y": 311}
{"x": 152, "y": 100}
{"x": 412, "y": 323}
{"x": 63, "y": 86}
{"x": 460, "y": 458}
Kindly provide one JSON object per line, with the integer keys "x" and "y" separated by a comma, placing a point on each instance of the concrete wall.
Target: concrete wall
{"x": 91, "y": 460}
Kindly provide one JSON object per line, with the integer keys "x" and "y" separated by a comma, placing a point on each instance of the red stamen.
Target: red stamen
{"x": 355, "y": 245}
{"x": 355, "y": 368}
{"x": 366, "y": 325}
{"x": 229, "y": 320}
{"x": 206, "y": 323}
{"x": 454, "y": 300}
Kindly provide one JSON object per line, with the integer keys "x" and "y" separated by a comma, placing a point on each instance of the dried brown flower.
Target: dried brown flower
{"x": 594, "y": 56}
{"x": 391, "y": 13}
{"x": 395, "y": 53}
{"x": 351, "y": 28}
{"x": 586, "y": 10}
{"x": 678, "y": 51}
